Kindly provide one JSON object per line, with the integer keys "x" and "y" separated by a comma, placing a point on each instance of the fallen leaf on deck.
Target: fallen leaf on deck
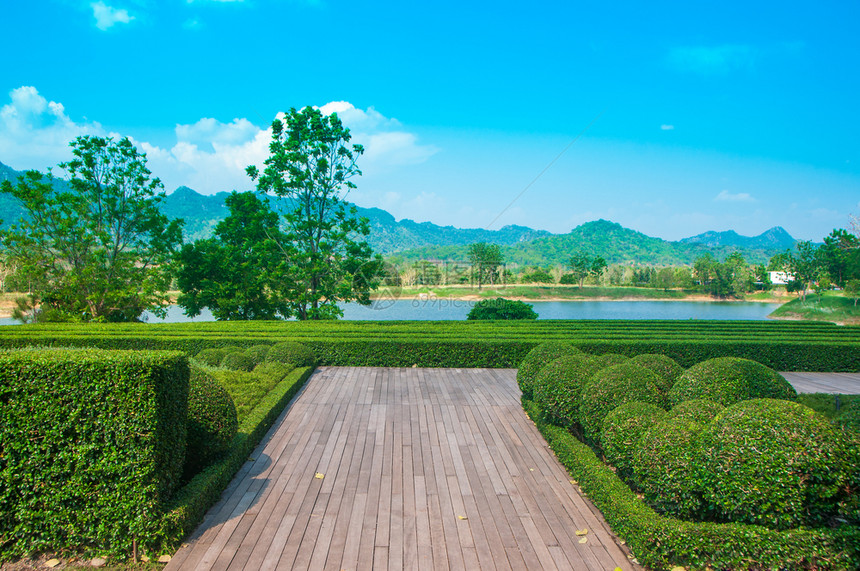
{"x": 581, "y": 531}
{"x": 584, "y": 540}
{"x": 319, "y": 476}
{"x": 462, "y": 517}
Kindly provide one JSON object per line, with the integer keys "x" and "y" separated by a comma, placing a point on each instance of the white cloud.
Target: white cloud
{"x": 726, "y": 196}
{"x": 667, "y": 127}
{"x": 712, "y": 60}
{"x": 35, "y": 132}
{"x": 108, "y": 16}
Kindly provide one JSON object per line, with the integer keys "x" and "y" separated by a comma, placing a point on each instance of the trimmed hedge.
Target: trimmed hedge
{"x": 622, "y": 431}
{"x": 668, "y": 370}
{"x": 92, "y": 445}
{"x": 702, "y": 411}
{"x": 728, "y": 380}
{"x": 238, "y": 361}
{"x": 292, "y": 353}
{"x": 663, "y": 542}
{"x": 212, "y": 422}
{"x": 538, "y": 358}
{"x": 558, "y": 386}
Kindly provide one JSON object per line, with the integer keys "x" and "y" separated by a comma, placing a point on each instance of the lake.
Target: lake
{"x": 443, "y": 309}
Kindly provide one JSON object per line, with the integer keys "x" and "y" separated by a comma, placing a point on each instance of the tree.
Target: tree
{"x": 311, "y": 165}
{"x": 852, "y": 288}
{"x": 485, "y": 259}
{"x": 96, "y": 247}
{"x": 236, "y": 273}
{"x": 840, "y": 256}
{"x": 501, "y": 308}
{"x": 582, "y": 265}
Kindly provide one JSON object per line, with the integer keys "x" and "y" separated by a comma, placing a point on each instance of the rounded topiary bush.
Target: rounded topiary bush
{"x": 622, "y": 430}
{"x": 661, "y": 467}
{"x": 238, "y": 361}
{"x": 538, "y": 358}
{"x": 609, "y": 359}
{"x": 729, "y": 380}
{"x": 211, "y": 356}
{"x": 848, "y": 416}
{"x": 211, "y": 421}
{"x": 293, "y": 353}
{"x": 501, "y": 308}
{"x": 558, "y": 385}
{"x": 611, "y": 387}
{"x": 258, "y": 352}
{"x": 702, "y": 411}
{"x": 665, "y": 367}
{"x": 775, "y": 463}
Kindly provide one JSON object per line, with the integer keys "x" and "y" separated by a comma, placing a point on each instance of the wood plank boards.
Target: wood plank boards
{"x": 382, "y": 468}
{"x": 833, "y": 383}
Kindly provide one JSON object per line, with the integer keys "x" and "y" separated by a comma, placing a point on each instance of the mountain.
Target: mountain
{"x": 775, "y": 238}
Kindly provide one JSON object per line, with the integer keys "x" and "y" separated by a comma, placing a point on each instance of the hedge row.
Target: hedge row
{"x": 91, "y": 447}
{"x": 663, "y": 542}
{"x": 426, "y": 349}
{"x": 189, "y": 505}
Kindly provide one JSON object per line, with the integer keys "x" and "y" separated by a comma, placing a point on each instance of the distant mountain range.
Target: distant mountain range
{"x": 412, "y": 240}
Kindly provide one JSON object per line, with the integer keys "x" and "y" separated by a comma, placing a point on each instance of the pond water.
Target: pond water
{"x": 443, "y": 309}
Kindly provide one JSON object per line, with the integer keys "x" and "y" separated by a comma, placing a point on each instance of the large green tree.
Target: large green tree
{"x": 236, "y": 274}
{"x": 486, "y": 259}
{"x": 582, "y": 265}
{"x": 94, "y": 246}
{"x": 325, "y": 259}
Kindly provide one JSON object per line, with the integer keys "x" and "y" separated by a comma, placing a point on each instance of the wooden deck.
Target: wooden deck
{"x": 374, "y": 468}
{"x": 843, "y": 383}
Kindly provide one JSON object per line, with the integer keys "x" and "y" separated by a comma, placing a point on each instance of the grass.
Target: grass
{"x": 248, "y": 388}
{"x": 831, "y": 306}
{"x": 825, "y": 403}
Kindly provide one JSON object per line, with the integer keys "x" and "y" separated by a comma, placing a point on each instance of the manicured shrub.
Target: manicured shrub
{"x": 666, "y": 368}
{"x": 538, "y": 358}
{"x": 258, "y": 352}
{"x": 701, "y": 411}
{"x": 848, "y": 416}
{"x": 611, "y": 387}
{"x": 558, "y": 385}
{"x": 501, "y": 308}
{"x": 293, "y": 353}
{"x": 772, "y": 462}
{"x": 212, "y": 421}
{"x": 211, "y": 357}
{"x": 661, "y": 468}
{"x": 238, "y": 361}
{"x": 622, "y": 430}
{"x": 729, "y": 380}
{"x": 609, "y": 359}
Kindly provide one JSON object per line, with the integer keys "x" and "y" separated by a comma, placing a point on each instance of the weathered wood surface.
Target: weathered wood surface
{"x": 842, "y": 383}
{"x": 377, "y": 468}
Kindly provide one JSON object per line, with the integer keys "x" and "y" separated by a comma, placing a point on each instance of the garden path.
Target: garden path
{"x": 383, "y": 468}
{"x": 833, "y": 383}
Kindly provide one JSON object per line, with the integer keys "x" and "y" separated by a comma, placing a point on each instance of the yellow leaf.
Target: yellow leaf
{"x": 319, "y": 476}
{"x": 462, "y": 517}
{"x": 584, "y": 540}
{"x": 52, "y": 563}
{"x": 617, "y": 569}
{"x": 574, "y": 482}
{"x": 679, "y": 568}
{"x": 581, "y": 531}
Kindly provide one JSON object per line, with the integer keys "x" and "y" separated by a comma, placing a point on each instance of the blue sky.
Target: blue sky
{"x": 703, "y": 116}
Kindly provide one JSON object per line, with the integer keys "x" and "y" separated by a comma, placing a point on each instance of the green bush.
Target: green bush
{"x": 661, "y": 468}
{"x": 729, "y": 380}
{"x": 772, "y": 462}
{"x": 537, "y": 358}
{"x": 211, "y": 357}
{"x": 666, "y": 368}
{"x": 293, "y": 353}
{"x": 849, "y": 416}
{"x": 609, "y": 359}
{"x": 622, "y": 430}
{"x": 558, "y": 385}
{"x": 611, "y": 387}
{"x": 701, "y": 411}
{"x": 501, "y": 308}
{"x": 212, "y": 421}
{"x": 258, "y": 352}
{"x": 92, "y": 445}
{"x": 238, "y": 361}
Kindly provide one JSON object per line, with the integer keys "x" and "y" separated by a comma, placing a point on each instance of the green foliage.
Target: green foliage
{"x": 825, "y": 403}
{"x": 486, "y": 259}
{"x": 258, "y": 352}
{"x": 613, "y": 386}
{"x": 237, "y": 273}
{"x": 247, "y": 389}
{"x": 500, "y": 308}
{"x": 96, "y": 248}
{"x": 537, "y": 276}
{"x": 849, "y": 416}
{"x": 212, "y": 421}
{"x": 211, "y": 356}
{"x": 667, "y": 369}
{"x": 558, "y": 385}
{"x": 728, "y": 380}
{"x": 661, "y": 466}
{"x": 732, "y": 278}
{"x": 295, "y": 354}
{"x": 609, "y": 359}
{"x": 701, "y": 411}
{"x": 582, "y": 266}
{"x": 828, "y": 307}
{"x": 622, "y": 431}
{"x": 311, "y": 164}
{"x": 239, "y": 361}
{"x": 772, "y": 462}
{"x": 663, "y": 542}
{"x": 93, "y": 444}
{"x": 537, "y": 358}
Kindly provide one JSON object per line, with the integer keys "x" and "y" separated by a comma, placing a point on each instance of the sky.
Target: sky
{"x": 670, "y": 118}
